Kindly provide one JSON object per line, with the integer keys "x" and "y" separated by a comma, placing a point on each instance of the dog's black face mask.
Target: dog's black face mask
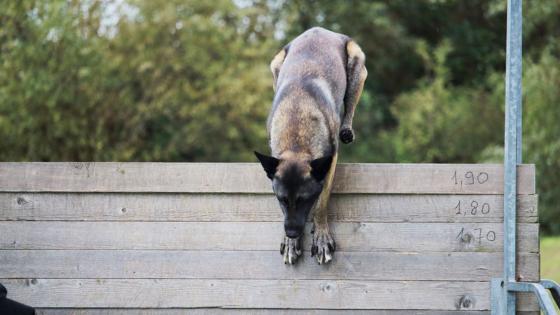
{"x": 296, "y": 191}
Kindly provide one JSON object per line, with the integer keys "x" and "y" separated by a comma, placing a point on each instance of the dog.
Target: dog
{"x": 317, "y": 80}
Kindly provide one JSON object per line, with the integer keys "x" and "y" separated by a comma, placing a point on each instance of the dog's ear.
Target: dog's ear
{"x": 320, "y": 167}
{"x": 269, "y": 164}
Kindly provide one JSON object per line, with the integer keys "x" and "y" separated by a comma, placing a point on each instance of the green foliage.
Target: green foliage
{"x": 188, "y": 80}
{"x": 440, "y": 122}
{"x": 542, "y": 131}
{"x": 46, "y": 100}
{"x": 170, "y": 82}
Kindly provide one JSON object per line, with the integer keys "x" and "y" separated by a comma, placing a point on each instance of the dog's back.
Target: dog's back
{"x": 309, "y": 99}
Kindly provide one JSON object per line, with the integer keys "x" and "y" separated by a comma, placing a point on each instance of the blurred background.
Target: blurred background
{"x": 188, "y": 80}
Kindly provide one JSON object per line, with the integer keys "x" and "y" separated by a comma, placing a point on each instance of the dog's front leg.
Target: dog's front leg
{"x": 356, "y": 74}
{"x": 323, "y": 246}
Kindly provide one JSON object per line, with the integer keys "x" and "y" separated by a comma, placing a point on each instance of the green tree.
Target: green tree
{"x": 439, "y": 122}
{"x": 48, "y": 57}
{"x": 542, "y": 131}
{"x": 171, "y": 81}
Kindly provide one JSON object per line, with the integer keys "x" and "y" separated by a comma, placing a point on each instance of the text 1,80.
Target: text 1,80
{"x": 475, "y": 208}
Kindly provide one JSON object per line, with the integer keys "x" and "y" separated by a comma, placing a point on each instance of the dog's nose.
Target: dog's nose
{"x": 292, "y": 232}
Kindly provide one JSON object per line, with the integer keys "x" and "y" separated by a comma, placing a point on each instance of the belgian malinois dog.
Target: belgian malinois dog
{"x": 318, "y": 80}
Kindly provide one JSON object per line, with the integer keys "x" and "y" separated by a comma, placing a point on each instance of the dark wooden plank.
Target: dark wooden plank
{"x": 249, "y": 178}
{"x": 209, "y": 311}
{"x": 256, "y": 207}
{"x": 92, "y": 264}
{"x": 398, "y": 237}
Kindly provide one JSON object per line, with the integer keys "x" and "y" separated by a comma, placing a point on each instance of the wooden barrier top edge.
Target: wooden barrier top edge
{"x": 249, "y": 178}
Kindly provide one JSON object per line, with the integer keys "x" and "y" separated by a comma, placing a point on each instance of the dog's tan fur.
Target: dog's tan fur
{"x": 318, "y": 80}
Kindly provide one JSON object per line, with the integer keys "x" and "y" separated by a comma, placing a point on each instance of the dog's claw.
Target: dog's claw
{"x": 290, "y": 249}
{"x": 313, "y": 250}
{"x": 346, "y": 135}
{"x": 332, "y": 247}
{"x": 323, "y": 246}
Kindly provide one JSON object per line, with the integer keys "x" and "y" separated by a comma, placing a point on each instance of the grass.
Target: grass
{"x": 550, "y": 258}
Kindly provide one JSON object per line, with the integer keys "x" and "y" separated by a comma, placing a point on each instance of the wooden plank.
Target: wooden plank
{"x": 256, "y": 207}
{"x": 209, "y": 311}
{"x": 306, "y": 294}
{"x": 408, "y": 237}
{"x": 152, "y": 264}
{"x": 249, "y": 178}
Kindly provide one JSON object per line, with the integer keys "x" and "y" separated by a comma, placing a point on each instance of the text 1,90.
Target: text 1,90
{"x": 474, "y": 209}
{"x": 469, "y": 178}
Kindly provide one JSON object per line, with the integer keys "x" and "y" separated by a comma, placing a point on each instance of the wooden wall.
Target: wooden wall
{"x": 143, "y": 238}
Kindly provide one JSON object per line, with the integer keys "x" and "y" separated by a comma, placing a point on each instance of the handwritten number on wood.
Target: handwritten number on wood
{"x": 470, "y": 178}
{"x": 475, "y": 208}
{"x": 479, "y": 235}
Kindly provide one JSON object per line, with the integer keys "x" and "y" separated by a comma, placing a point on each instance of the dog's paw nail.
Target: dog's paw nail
{"x": 346, "y": 135}
{"x": 290, "y": 250}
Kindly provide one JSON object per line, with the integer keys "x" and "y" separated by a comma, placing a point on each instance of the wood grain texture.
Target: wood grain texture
{"x": 256, "y": 207}
{"x": 209, "y": 311}
{"x": 110, "y": 264}
{"x": 398, "y": 237}
{"x": 250, "y": 178}
{"x": 306, "y": 294}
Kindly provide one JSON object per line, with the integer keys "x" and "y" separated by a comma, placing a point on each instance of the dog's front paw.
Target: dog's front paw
{"x": 290, "y": 249}
{"x": 346, "y": 135}
{"x": 323, "y": 245}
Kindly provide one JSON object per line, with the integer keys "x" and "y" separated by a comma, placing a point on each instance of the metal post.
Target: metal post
{"x": 503, "y": 290}
{"x": 512, "y": 150}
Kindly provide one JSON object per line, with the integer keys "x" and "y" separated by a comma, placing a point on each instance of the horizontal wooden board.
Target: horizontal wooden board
{"x": 327, "y": 294}
{"x": 250, "y": 178}
{"x": 256, "y": 207}
{"x": 257, "y": 265}
{"x": 408, "y": 237}
{"x": 209, "y": 311}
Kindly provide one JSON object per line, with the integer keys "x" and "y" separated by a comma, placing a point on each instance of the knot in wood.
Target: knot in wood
{"x": 466, "y": 301}
{"x": 21, "y": 201}
{"x": 467, "y": 237}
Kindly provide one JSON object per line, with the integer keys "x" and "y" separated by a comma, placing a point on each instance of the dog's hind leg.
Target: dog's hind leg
{"x": 323, "y": 245}
{"x": 276, "y": 64}
{"x": 356, "y": 74}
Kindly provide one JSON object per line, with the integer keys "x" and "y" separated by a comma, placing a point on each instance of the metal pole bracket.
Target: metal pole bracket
{"x": 499, "y": 288}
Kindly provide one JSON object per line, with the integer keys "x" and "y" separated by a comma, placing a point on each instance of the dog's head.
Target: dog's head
{"x": 297, "y": 183}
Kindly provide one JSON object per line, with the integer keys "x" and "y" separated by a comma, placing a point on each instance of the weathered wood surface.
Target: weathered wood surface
{"x": 256, "y": 207}
{"x": 144, "y": 238}
{"x": 407, "y": 237}
{"x": 328, "y": 294}
{"x": 249, "y": 178}
{"x": 155, "y": 264}
{"x": 209, "y": 311}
